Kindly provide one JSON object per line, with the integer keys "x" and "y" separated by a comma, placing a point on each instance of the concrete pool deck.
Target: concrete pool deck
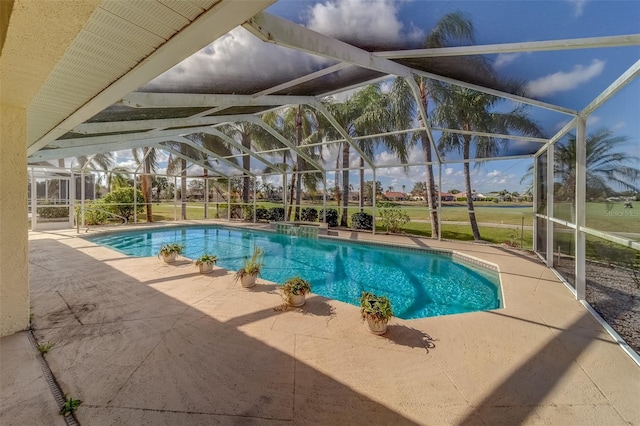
{"x": 142, "y": 342}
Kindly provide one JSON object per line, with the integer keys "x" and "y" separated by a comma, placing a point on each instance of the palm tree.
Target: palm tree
{"x": 451, "y": 29}
{"x": 246, "y": 133}
{"x": 368, "y": 111}
{"x": 149, "y": 159}
{"x": 607, "y": 166}
{"x": 180, "y": 164}
{"x": 469, "y": 110}
{"x": 216, "y": 145}
{"x": 301, "y": 125}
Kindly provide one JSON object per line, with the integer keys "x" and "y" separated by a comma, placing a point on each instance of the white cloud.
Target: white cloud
{"x": 361, "y": 21}
{"x": 235, "y": 60}
{"x": 564, "y": 81}
{"x": 448, "y": 171}
{"x": 504, "y": 59}
{"x": 578, "y": 6}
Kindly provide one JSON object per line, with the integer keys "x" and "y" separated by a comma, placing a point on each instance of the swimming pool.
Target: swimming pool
{"x": 419, "y": 283}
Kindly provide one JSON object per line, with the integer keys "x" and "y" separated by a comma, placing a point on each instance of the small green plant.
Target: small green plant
{"x": 207, "y": 259}
{"x": 377, "y": 308}
{"x": 393, "y": 218}
{"x": 167, "y": 249}
{"x": 70, "y": 406}
{"x": 296, "y": 286}
{"x": 251, "y": 266}
{"x": 45, "y": 347}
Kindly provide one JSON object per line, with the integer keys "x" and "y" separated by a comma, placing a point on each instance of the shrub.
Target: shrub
{"x": 94, "y": 212}
{"x": 393, "y": 219}
{"x": 247, "y": 213}
{"x": 276, "y": 214}
{"x": 309, "y": 214}
{"x": 262, "y": 213}
{"x": 332, "y": 216}
{"x": 52, "y": 212}
{"x": 461, "y": 199}
{"x": 120, "y": 202}
{"x": 362, "y": 220}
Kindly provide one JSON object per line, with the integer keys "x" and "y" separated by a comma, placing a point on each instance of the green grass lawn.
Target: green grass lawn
{"x": 599, "y": 216}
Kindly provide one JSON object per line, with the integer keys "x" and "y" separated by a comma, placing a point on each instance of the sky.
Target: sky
{"x": 565, "y": 78}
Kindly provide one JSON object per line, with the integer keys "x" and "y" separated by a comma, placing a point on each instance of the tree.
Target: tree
{"x": 466, "y": 109}
{"x": 608, "y": 167}
{"x": 216, "y": 145}
{"x": 454, "y": 191}
{"x": 245, "y": 132}
{"x": 419, "y": 189}
{"x": 148, "y": 158}
{"x": 451, "y": 29}
{"x": 368, "y": 111}
{"x": 368, "y": 190}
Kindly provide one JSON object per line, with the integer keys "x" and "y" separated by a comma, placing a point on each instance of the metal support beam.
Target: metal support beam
{"x": 291, "y": 83}
{"x": 236, "y": 144}
{"x": 221, "y": 18}
{"x": 422, "y": 112}
{"x": 194, "y": 100}
{"x": 273, "y": 29}
{"x": 324, "y": 111}
{"x": 531, "y": 46}
{"x": 581, "y": 202}
{"x": 202, "y": 149}
{"x": 617, "y": 85}
{"x": 550, "y": 185}
{"x": 256, "y": 120}
{"x": 178, "y": 154}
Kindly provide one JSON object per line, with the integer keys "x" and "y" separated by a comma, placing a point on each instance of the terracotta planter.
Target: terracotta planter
{"x": 170, "y": 258}
{"x": 248, "y": 281}
{"x": 377, "y": 327}
{"x": 205, "y": 268}
{"x": 296, "y": 300}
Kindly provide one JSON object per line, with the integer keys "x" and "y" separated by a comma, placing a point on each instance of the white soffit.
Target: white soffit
{"x": 123, "y": 46}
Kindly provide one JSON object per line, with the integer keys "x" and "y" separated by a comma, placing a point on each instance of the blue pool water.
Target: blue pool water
{"x": 418, "y": 283}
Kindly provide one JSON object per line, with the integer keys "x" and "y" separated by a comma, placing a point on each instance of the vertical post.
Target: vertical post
{"x": 550, "y": 161}
{"x": 284, "y": 196}
{"x": 206, "y": 198}
{"x": 373, "y": 202}
{"x": 254, "y": 199}
{"x": 581, "y": 200}
{"x": 82, "y": 194}
{"x": 324, "y": 197}
{"x": 535, "y": 203}
{"x": 175, "y": 198}
{"x": 71, "y": 199}
{"x": 34, "y": 201}
{"x": 439, "y": 202}
{"x": 229, "y": 200}
{"x": 135, "y": 198}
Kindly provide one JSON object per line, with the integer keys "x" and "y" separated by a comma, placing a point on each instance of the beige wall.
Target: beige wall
{"x": 35, "y": 35}
{"x": 14, "y": 282}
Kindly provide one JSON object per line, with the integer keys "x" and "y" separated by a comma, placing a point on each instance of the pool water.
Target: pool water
{"x": 418, "y": 283}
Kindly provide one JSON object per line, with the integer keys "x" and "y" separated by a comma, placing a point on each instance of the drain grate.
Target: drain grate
{"x": 53, "y": 384}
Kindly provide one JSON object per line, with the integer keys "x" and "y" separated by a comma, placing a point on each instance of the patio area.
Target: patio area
{"x": 142, "y": 342}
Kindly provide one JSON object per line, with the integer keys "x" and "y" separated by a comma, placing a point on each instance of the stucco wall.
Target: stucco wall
{"x": 14, "y": 272}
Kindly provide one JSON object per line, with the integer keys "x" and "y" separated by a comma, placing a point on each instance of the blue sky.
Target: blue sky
{"x": 566, "y": 78}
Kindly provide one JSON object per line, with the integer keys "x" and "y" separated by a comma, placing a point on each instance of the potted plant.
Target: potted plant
{"x": 206, "y": 262}
{"x": 170, "y": 252}
{"x": 250, "y": 269}
{"x": 294, "y": 291}
{"x": 376, "y": 310}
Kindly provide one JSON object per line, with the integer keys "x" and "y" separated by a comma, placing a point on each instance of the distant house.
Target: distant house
{"x": 444, "y": 196}
{"x": 395, "y": 196}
